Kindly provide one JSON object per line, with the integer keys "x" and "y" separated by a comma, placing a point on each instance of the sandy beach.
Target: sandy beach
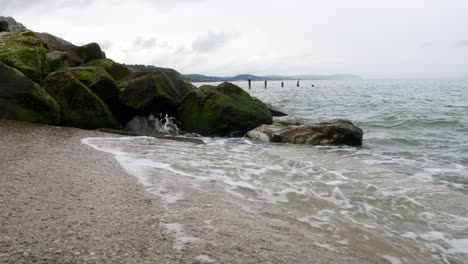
{"x": 63, "y": 202}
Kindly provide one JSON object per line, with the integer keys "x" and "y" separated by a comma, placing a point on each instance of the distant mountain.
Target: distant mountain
{"x": 244, "y": 77}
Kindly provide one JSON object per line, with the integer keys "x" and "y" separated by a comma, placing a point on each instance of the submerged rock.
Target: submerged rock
{"x": 79, "y": 106}
{"x": 221, "y": 111}
{"x": 341, "y": 132}
{"x": 22, "y": 99}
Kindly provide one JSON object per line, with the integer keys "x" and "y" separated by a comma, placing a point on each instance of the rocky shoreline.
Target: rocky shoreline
{"x": 45, "y": 79}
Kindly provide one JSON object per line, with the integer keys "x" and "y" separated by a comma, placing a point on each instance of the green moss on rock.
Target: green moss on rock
{"x": 103, "y": 63}
{"x": 88, "y": 75}
{"x": 79, "y": 106}
{"x": 154, "y": 92}
{"x": 221, "y": 111}
{"x": 118, "y": 71}
{"x": 25, "y": 52}
{"x": 22, "y": 99}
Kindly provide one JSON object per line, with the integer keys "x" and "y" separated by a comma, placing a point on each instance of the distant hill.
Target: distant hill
{"x": 244, "y": 77}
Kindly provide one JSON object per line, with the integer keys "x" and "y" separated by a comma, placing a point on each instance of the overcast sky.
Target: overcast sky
{"x": 371, "y": 38}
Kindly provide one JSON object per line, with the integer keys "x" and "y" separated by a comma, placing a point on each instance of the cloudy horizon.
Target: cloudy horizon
{"x": 373, "y": 39}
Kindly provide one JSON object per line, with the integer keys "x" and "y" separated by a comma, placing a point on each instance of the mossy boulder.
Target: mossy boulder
{"x": 156, "y": 92}
{"x": 88, "y": 75}
{"x": 22, "y": 99}
{"x": 101, "y": 83}
{"x": 25, "y": 52}
{"x": 79, "y": 106}
{"x": 222, "y": 111}
{"x": 89, "y": 52}
{"x": 118, "y": 71}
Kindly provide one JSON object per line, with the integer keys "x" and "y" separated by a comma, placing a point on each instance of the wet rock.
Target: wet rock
{"x": 152, "y": 127}
{"x": 275, "y": 112}
{"x": 221, "y": 111}
{"x": 341, "y": 132}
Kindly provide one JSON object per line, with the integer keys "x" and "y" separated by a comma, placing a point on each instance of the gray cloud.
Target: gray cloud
{"x": 321, "y": 37}
{"x": 7, "y": 6}
{"x": 210, "y": 42}
{"x": 105, "y": 44}
{"x": 462, "y": 43}
{"x": 142, "y": 43}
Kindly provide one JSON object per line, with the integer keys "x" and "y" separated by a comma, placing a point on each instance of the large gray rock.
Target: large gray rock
{"x": 61, "y": 52}
{"x": 341, "y": 132}
{"x": 12, "y": 25}
{"x": 89, "y": 52}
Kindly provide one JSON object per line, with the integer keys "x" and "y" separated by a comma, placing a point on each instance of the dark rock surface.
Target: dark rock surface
{"x": 22, "y": 99}
{"x": 55, "y": 44}
{"x": 3, "y": 26}
{"x": 157, "y": 92}
{"x": 89, "y": 52}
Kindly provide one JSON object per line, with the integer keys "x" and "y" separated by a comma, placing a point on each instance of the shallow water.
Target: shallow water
{"x": 401, "y": 198}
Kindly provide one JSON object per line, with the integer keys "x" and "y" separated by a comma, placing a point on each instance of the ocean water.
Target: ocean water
{"x": 401, "y": 198}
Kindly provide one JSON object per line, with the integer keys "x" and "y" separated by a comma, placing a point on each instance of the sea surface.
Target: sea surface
{"x": 400, "y": 198}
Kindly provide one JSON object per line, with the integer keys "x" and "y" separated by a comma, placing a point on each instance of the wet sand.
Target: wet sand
{"x": 63, "y": 202}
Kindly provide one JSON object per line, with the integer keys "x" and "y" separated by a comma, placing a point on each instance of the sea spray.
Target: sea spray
{"x": 165, "y": 125}
{"x": 154, "y": 125}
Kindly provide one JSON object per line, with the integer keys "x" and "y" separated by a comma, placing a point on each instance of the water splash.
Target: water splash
{"x": 165, "y": 125}
{"x": 153, "y": 126}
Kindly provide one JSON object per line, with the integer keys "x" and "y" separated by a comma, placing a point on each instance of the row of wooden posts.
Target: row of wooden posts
{"x": 266, "y": 84}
